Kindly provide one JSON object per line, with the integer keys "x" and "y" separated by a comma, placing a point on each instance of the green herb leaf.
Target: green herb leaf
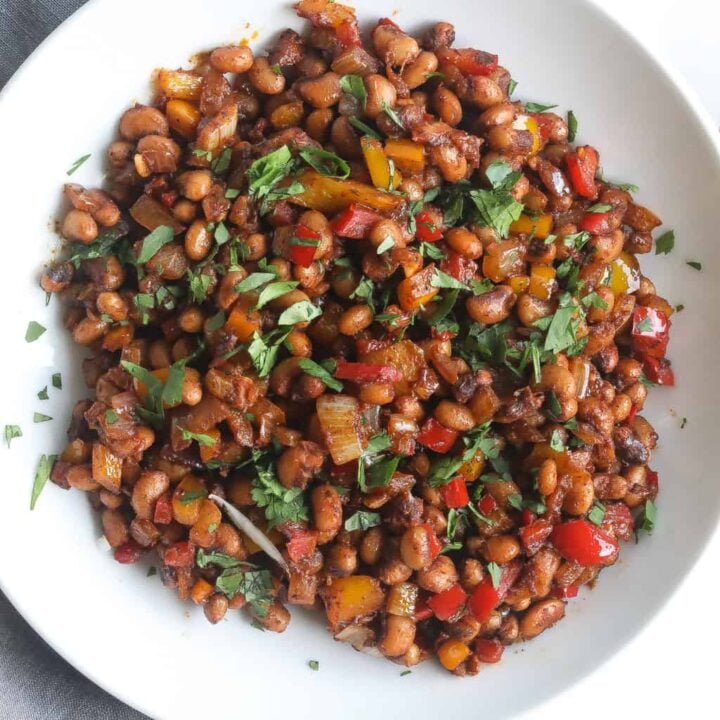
{"x": 683, "y": 423}
{"x": 42, "y": 475}
{"x": 443, "y": 280}
{"x": 572, "y": 126}
{"x": 432, "y": 251}
{"x": 263, "y": 351}
{"x": 313, "y": 664}
{"x": 159, "y": 237}
{"x": 594, "y": 300}
{"x": 279, "y": 503}
{"x": 325, "y": 162}
{"x": 362, "y": 520}
{"x": 364, "y": 128}
{"x": 377, "y": 444}
{"x": 556, "y": 442}
{"x": 275, "y": 290}
{"x": 380, "y": 472}
{"x": 200, "y": 438}
{"x": 364, "y": 290}
{"x": 597, "y": 513}
{"x": 665, "y": 243}
{"x": 111, "y": 417}
{"x": 576, "y": 240}
{"x": 57, "y": 381}
{"x": 495, "y": 574}
{"x": 253, "y": 281}
{"x": 221, "y": 234}
{"x": 76, "y": 165}
{"x": 695, "y": 265}
{"x": 312, "y": 368}
{"x": 11, "y": 432}
{"x": 152, "y": 570}
{"x": 266, "y": 172}
{"x": 354, "y": 85}
{"x": 221, "y": 164}
{"x": 43, "y": 394}
{"x": 302, "y": 311}
{"x": 206, "y": 558}
{"x": 390, "y": 112}
{"x": 599, "y": 208}
{"x": 645, "y": 325}
{"x": 387, "y": 244}
{"x": 534, "y": 107}
{"x": 255, "y": 586}
{"x": 647, "y": 518}
{"x": 512, "y": 84}
{"x": 232, "y": 193}
{"x": 198, "y": 284}
{"x": 34, "y": 331}
{"x": 497, "y": 208}
{"x": 40, "y": 418}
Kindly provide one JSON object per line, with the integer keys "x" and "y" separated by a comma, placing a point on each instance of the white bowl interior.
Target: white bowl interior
{"x": 123, "y": 629}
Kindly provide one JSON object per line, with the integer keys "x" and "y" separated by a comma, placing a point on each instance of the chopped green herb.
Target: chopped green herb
{"x": 362, "y": 520}
{"x": 253, "y": 281}
{"x": 42, "y": 475}
{"x": 216, "y": 322}
{"x": 364, "y": 128}
{"x": 497, "y": 208}
{"x": 387, "y": 244}
{"x": 405, "y": 672}
{"x": 111, "y": 417}
{"x": 254, "y": 585}
{"x": 188, "y": 496}
{"x": 597, "y": 513}
{"x": 480, "y": 287}
{"x": 152, "y": 570}
{"x": 263, "y": 350}
{"x": 392, "y": 115}
{"x": 627, "y": 187}
{"x": 694, "y": 264}
{"x": 302, "y": 311}
{"x": 159, "y": 237}
{"x": 200, "y": 438}
{"x": 205, "y": 558}
{"x": 11, "y": 432}
{"x": 645, "y": 325}
{"x": 576, "y": 240}
{"x": 325, "y": 162}
{"x": 40, "y": 418}
{"x": 221, "y": 234}
{"x": 232, "y": 193}
{"x": 354, "y": 85}
{"x": 275, "y": 290}
{"x": 364, "y": 290}
{"x": 443, "y": 280}
{"x": 279, "y": 503}
{"x": 76, "y": 165}
{"x": 495, "y": 574}
{"x": 34, "y": 331}
{"x": 683, "y": 423}
{"x": 599, "y": 208}
{"x": 198, "y": 284}
{"x": 512, "y": 84}
{"x": 432, "y": 251}
{"x": 534, "y": 107}
{"x": 310, "y": 367}
{"x": 313, "y": 664}
{"x": 221, "y": 164}
{"x": 665, "y": 243}
{"x": 647, "y": 518}
{"x": 572, "y": 126}
{"x": 43, "y": 394}
{"x": 679, "y": 308}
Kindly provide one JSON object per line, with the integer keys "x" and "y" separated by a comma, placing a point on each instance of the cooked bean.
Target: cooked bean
{"x": 140, "y": 121}
{"x": 79, "y": 226}
{"x": 264, "y": 78}
{"x": 115, "y": 527}
{"x": 149, "y": 487}
{"x": 322, "y": 92}
{"x": 493, "y": 306}
{"x": 398, "y": 637}
{"x": 454, "y": 415}
{"x": 501, "y": 549}
{"x": 195, "y": 184}
{"x": 439, "y": 577}
{"x": 415, "y": 548}
{"x": 540, "y": 617}
{"x": 380, "y": 93}
{"x": 232, "y": 59}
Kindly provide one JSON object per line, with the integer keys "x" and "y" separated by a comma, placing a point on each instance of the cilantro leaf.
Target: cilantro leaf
{"x": 694, "y": 264}
{"x": 392, "y": 115}
{"x": 302, "y": 311}
{"x": 497, "y": 208}
{"x": 11, "y": 432}
{"x": 76, "y": 165}
{"x": 275, "y": 290}
{"x": 34, "y": 331}
{"x": 354, "y": 85}
{"x": 42, "y": 475}
{"x": 572, "y": 126}
{"x": 597, "y": 513}
{"x": 279, "y": 503}
{"x": 364, "y": 128}
{"x": 362, "y": 520}
{"x": 201, "y": 439}
{"x": 665, "y": 243}
{"x": 534, "y": 107}
{"x": 495, "y": 574}
{"x": 160, "y": 236}
{"x": 57, "y": 381}
{"x": 325, "y": 162}
{"x": 315, "y": 370}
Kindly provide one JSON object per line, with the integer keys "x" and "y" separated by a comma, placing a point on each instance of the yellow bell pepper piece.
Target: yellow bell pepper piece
{"x": 347, "y": 598}
{"x": 540, "y": 225}
{"x": 407, "y": 155}
{"x": 624, "y": 274}
{"x": 382, "y": 172}
{"x": 519, "y": 283}
{"x": 451, "y": 653}
{"x": 542, "y": 281}
{"x": 525, "y": 122}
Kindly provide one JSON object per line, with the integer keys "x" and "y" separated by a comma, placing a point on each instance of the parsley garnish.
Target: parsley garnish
{"x": 76, "y": 165}
{"x": 253, "y": 281}
{"x": 200, "y": 438}
{"x": 364, "y": 128}
{"x": 392, "y": 115}
{"x": 312, "y": 368}
{"x": 362, "y": 520}
{"x": 254, "y": 585}
{"x": 43, "y": 394}
{"x": 665, "y": 243}
{"x": 443, "y": 280}
{"x": 221, "y": 164}
{"x": 495, "y": 574}
{"x": 313, "y": 664}
{"x": 300, "y": 312}
{"x": 647, "y": 518}
{"x": 57, "y": 381}
{"x": 263, "y": 350}
{"x": 683, "y": 423}
{"x": 645, "y": 325}
{"x": 42, "y": 475}
{"x": 556, "y": 442}
{"x": 266, "y": 172}
{"x": 275, "y": 290}
{"x": 279, "y": 503}
{"x": 11, "y": 432}
{"x": 387, "y": 244}
{"x": 427, "y": 249}
{"x": 160, "y": 236}
{"x": 34, "y": 331}
{"x": 111, "y": 417}
{"x": 512, "y": 84}
{"x": 497, "y": 208}
{"x": 534, "y": 107}
{"x": 572, "y": 126}
{"x": 354, "y": 85}
{"x": 364, "y": 290}
{"x": 325, "y": 162}
{"x": 694, "y": 264}
{"x": 40, "y": 418}
{"x": 597, "y": 513}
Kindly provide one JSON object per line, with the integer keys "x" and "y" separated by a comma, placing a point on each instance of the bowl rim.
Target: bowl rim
{"x": 700, "y": 112}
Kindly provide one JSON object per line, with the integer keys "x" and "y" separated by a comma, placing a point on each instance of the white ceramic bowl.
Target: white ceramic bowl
{"x": 123, "y": 629}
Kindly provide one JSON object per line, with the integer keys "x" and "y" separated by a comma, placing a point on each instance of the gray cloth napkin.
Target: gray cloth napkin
{"x": 35, "y": 682}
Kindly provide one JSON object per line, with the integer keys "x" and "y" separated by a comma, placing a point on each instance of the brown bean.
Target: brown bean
{"x": 415, "y": 548}
{"x": 394, "y": 571}
{"x": 159, "y": 155}
{"x": 216, "y": 607}
{"x": 440, "y": 576}
{"x": 449, "y": 161}
{"x": 501, "y": 114}
{"x": 398, "y": 636}
{"x": 264, "y": 79}
{"x": 501, "y": 549}
{"x": 393, "y": 46}
{"x": 322, "y": 92}
{"x": 380, "y": 93}
{"x": 79, "y": 226}
{"x": 355, "y": 319}
{"x": 232, "y": 59}
{"x": 88, "y": 330}
{"x": 371, "y": 546}
{"x": 341, "y": 560}
{"x": 447, "y": 105}
{"x": 547, "y": 477}
{"x": 327, "y": 509}
{"x": 483, "y": 92}
{"x": 195, "y": 184}
{"x": 377, "y": 393}
{"x": 464, "y": 242}
{"x": 581, "y": 494}
{"x": 115, "y": 527}
{"x": 541, "y": 616}
{"x": 112, "y": 304}
{"x": 149, "y": 487}
{"x": 454, "y": 415}
{"x": 198, "y": 241}
{"x": 139, "y": 121}
{"x": 416, "y": 72}
{"x": 493, "y": 306}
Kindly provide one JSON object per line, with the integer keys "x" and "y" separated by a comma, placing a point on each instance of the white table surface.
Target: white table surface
{"x": 670, "y": 669}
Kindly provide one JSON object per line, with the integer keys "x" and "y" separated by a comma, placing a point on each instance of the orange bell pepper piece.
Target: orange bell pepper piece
{"x": 382, "y": 172}
{"x": 407, "y": 155}
{"x": 243, "y": 321}
{"x": 415, "y": 291}
{"x": 183, "y": 117}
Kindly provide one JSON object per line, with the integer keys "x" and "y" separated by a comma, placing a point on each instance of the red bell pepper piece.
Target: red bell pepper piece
{"x": 168, "y": 198}
{"x": 447, "y": 603}
{"x": 426, "y": 229}
{"x": 180, "y": 554}
{"x": 163, "y": 510}
{"x": 354, "y": 222}
{"x": 422, "y": 611}
{"x": 485, "y": 598}
{"x": 367, "y": 372}
{"x": 488, "y": 651}
{"x": 128, "y": 553}
{"x": 469, "y": 61}
{"x": 534, "y": 535}
{"x": 658, "y": 370}
{"x": 348, "y": 468}
{"x": 455, "y": 493}
{"x": 487, "y": 504}
{"x": 526, "y": 517}
{"x": 650, "y": 331}
{"x": 565, "y": 593}
{"x": 301, "y": 545}
{"x": 651, "y": 478}
{"x": 618, "y": 521}
{"x": 584, "y": 543}
{"x": 388, "y": 21}
{"x": 459, "y": 267}
{"x": 594, "y": 222}
{"x": 433, "y": 543}
{"x": 633, "y": 412}
{"x": 582, "y": 166}
{"x": 303, "y": 246}
{"x": 437, "y": 437}
{"x": 348, "y": 35}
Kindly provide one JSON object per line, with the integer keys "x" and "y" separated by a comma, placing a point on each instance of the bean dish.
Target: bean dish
{"x": 364, "y": 334}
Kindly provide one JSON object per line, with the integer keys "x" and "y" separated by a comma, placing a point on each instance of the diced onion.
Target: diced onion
{"x": 244, "y": 524}
{"x": 339, "y": 417}
{"x": 361, "y": 637}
